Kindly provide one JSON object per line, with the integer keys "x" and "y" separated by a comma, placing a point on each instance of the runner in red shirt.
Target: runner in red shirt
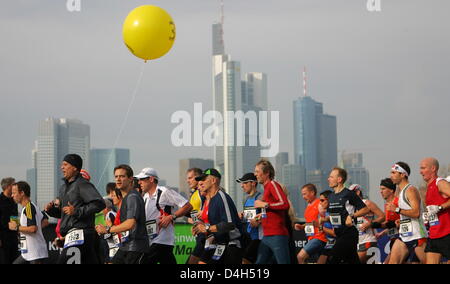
{"x": 438, "y": 204}
{"x": 316, "y": 238}
{"x": 275, "y": 242}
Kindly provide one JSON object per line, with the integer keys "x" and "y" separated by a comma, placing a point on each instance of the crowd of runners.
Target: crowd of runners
{"x": 134, "y": 223}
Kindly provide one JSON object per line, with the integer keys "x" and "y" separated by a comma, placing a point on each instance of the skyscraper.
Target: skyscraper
{"x": 315, "y": 138}
{"x": 231, "y": 95}
{"x": 32, "y": 174}
{"x": 103, "y": 162}
{"x": 357, "y": 173}
{"x": 281, "y": 159}
{"x": 255, "y": 90}
{"x": 227, "y": 89}
{"x": 186, "y": 164}
{"x": 57, "y": 138}
{"x": 294, "y": 177}
{"x": 254, "y": 99}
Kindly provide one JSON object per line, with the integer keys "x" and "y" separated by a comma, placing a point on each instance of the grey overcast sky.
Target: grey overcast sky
{"x": 383, "y": 74}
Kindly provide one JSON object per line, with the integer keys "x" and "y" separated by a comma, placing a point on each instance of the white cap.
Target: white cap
{"x": 448, "y": 178}
{"x": 355, "y": 187}
{"x": 146, "y": 173}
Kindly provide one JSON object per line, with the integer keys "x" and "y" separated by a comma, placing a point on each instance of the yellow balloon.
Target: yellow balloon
{"x": 149, "y": 32}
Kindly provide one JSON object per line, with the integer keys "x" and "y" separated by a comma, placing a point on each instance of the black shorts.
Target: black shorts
{"x": 327, "y": 252}
{"x": 128, "y": 257}
{"x": 159, "y": 253}
{"x": 199, "y": 245}
{"x": 441, "y": 246}
{"x": 86, "y": 253}
{"x": 21, "y": 260}
{"x": 251, "y": 252}
{"x": 366, "y": 246}
{"x": 231, "y": 255}
{"x": 392, "y": 241}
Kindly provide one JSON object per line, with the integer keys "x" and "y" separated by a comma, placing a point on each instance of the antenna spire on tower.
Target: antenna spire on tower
{"x": 222, "y": 20}
{"x": 304, "y": 81}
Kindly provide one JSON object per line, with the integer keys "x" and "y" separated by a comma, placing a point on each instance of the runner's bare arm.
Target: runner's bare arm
{"x": 412, "y": 194}
{"x": 362, "y": 212}
{"x": 123, "y": 227}
{"x": 377, "y": 211}
{"x": 444, "y": 189}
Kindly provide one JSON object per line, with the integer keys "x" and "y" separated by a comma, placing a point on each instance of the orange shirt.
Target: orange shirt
{"x": 312, "y": 214}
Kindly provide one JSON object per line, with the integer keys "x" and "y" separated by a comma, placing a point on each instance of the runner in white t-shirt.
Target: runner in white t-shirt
{"x": 366, "y": 225}
{"x": 32, "y": 244}
{"x": 160, "y": 216}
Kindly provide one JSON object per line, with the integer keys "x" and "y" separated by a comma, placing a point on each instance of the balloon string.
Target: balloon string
{"x": 124, "y": 123}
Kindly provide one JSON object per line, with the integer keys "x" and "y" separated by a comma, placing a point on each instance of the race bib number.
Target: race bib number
{"x": 406, "y": 228}
{"x": 152, "y": 229}
{"x": 359, "y": 223}
{"x": 335, "y": 220}
{"x": 194, "y": 216}
{"x": 392, "y": 232}
{"x": 309, "y": 229}
{"x": 75, "y": 237}
{"x": 112, "y": 252}
{"x": 220, "y": 249}
{"x": 433, "y": 219}
{"x": 330, "y": 243}
{"x": 125, "y": 236}
{"x": 249, "y": 213}
{"x": 23, "y": 247}
{"x": 113, "y": 244}
{"x": 113, "y": 241}
{"x": 209, "y": 244}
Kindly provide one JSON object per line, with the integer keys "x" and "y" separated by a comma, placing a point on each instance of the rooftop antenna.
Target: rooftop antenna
{"x": 304, "y": 81}
{"x": 222, "y": 20}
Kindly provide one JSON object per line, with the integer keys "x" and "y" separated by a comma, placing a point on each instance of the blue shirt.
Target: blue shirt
{"x": 222, "y": 210}
{"x": 255, "y": 233}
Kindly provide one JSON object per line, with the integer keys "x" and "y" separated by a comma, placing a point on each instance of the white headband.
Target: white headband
{"x": 399, "y": 169}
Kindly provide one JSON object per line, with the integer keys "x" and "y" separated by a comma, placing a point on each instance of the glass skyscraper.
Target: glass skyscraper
{"x": 103, "y": 162}
{"x": 57, "y": 137}
{"x": 315, "y": 139}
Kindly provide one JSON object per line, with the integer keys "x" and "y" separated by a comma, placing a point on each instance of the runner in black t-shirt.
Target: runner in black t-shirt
{"x": 344, "y": 207}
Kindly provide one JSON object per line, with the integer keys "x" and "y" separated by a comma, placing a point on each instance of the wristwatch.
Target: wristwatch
{"x": 207, "y": 226}
{"x": 174, "y": 217}
{"x": 397, "y": 210}
{"x": 108, "y": 230}
{"x": 440, "y": 208}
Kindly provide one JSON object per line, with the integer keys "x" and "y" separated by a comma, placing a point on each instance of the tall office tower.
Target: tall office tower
{"x": 294, "y": 177}
{"x": 57, "y": 138}
{"x": 227, "y": 89}
{"x": 186, "y": 164}
{"x": 281, "y": 159}
{"x": 231, "y": 95}
{"x": 103, "y": 162}
{"x": 254, "y": 100}
{"x": 255, "y": 90}
{"x": 32, "y": 174}
{"x": 357, "y": 173}
{"x": 315, "y": 138}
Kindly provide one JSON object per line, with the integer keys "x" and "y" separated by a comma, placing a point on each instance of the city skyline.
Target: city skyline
{"x": 57, "y": 137}
{"x": 383, "y": 78}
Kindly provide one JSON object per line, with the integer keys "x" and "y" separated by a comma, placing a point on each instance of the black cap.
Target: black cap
{"x": 208, "y": 172}
{"x": 75, "y": 160}
{"x": 247, "y": 177}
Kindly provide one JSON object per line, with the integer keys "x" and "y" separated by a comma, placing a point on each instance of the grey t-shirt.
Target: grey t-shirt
{"x": 133, "y": 207}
